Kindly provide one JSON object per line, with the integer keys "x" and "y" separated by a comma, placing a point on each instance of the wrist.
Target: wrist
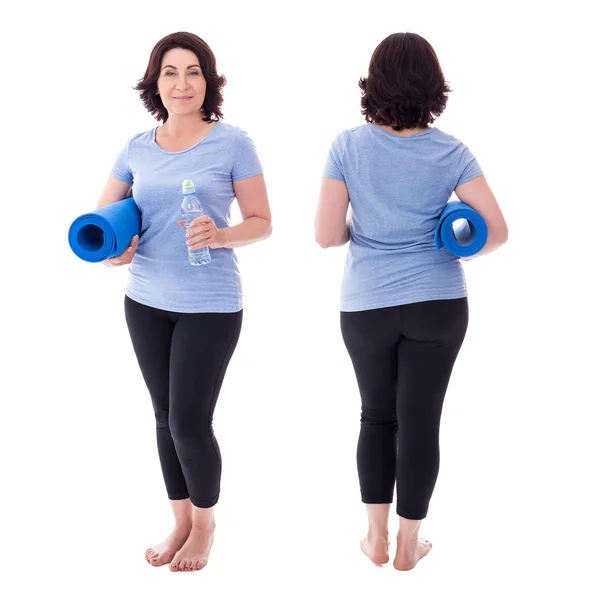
{"x": 224, "y": 237}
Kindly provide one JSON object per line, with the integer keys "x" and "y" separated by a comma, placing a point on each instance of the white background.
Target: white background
{"x": 514, "y": 513}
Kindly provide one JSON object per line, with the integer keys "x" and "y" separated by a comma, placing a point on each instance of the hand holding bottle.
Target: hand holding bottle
{"x": 203, "y": 232}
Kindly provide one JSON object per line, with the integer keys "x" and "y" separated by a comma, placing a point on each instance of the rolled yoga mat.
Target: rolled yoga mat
{"x": 465, "y": 239}
{"x": 106, "y": 232}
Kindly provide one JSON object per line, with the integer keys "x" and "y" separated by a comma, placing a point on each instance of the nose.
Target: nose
{"x": 182, "y": 83}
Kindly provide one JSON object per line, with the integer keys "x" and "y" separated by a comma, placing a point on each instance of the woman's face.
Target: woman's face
{"x": 181, "y": 84}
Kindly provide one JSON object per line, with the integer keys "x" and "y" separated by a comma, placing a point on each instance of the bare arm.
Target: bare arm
{"x": 332, "y": 224}
{"x": 115, "y": 191}
{"x": 478, "y": 195}
{"x": 251, "y": 194}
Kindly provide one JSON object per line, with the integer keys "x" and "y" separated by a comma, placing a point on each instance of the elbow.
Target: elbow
{"x": 328, "y": 238}
{"x": 502, "y": 236}
{"x": 269, "y": 230}
{"x": 323, "y": 241}
{"x": 497, "y": 233}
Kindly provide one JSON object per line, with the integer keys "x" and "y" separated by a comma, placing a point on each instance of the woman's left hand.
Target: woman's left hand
{"x": 203, "y": 232}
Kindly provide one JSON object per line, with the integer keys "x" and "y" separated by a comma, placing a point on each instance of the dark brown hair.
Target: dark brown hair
{"x": 405, "y": 87}
{"x": 208, "y": 63}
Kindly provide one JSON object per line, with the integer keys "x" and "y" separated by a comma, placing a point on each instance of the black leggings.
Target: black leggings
{"x": 403, "y": 357}
{"x": 183, "y": 358}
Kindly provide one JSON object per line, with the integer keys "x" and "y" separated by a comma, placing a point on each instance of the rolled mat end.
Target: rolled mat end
{"x": 467, "y": 238}
{"x": 101, "y": 234}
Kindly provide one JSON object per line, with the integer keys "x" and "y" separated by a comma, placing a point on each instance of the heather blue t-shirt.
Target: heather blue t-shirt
{"x": 398, "y": 188}
{"x": 160, "y": 274}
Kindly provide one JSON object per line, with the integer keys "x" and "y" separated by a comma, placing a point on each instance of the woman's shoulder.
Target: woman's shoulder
{"x": 231, "y": 131}
{"x": 355, "y": 132}
{"x": 347, "y": 136}
{"x": 449, "y": 138}
{"x": 142, "y": 137}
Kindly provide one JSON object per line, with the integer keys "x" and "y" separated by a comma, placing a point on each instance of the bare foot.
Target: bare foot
{"x": 193, "y": 556}
{"x": 376, "y": 549}
{"x": 408, "y": 554}
{"x": 164, "y": 552}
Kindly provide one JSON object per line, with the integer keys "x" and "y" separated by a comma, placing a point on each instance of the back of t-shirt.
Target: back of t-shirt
{"x": 398, "y": 187}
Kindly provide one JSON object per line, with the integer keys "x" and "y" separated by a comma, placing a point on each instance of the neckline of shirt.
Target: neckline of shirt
{"x": 155, "y": 143}
{"x": 403, "y": 137}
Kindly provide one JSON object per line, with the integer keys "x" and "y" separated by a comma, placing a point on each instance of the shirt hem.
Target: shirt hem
{"x": 210, "y": 307}
{"x": 402, "y": 301}
{"x": 251, "y": 174}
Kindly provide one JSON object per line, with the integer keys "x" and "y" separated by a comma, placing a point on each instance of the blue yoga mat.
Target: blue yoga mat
{"x": 106, "y": 232}
{"x": 465, "y": 239}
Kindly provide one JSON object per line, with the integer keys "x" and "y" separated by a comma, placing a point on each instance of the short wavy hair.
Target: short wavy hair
{"x": 208, "y": 63}
{"x": 405, "y": 87}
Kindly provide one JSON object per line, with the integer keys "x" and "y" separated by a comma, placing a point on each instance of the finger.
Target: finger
{"x": 199, "y": 234}
{"x": 206, "y": 242}
{"x": 199, "y": 244}
{"x": 127, "y": 255}
{"x": 205, "y": 227}
{"x": 201, "y": 220}
{"x": 196, "y": 233}
{"x": 135, "y": 241}
{"x": 200, "y": 228}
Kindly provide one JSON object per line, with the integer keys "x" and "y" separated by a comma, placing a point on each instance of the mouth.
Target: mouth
{"x": 182, "y": 98}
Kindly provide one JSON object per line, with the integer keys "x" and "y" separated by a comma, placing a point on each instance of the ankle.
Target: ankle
{"x": 183, "y": 524}
{"x": 204, "y": 525}
{"x": 377, "y": 534}
{"x": 407, "y": 540}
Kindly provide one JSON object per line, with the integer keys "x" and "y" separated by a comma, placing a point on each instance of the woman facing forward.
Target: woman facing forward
{"x": 184, "y": 319}
{"x": 404, "y": 309}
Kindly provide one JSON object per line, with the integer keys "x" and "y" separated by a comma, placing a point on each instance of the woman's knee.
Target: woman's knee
{"x": 189, "y": 427}
{"x": 379, "y": 417}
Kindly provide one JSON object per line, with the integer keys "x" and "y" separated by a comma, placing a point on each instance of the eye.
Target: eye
{"x": 169, "y": 73}
{"x": 194, "y": 73}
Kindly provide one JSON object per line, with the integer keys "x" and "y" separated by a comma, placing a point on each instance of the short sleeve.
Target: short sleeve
{"x": 468, "y": 167}
{"x": 333, "y": 164}
{"x": 245, "y": 158}
{"x": 121, "y": 169}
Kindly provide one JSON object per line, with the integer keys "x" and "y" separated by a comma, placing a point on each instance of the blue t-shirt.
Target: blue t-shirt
{"x": 160, "y": 274}
{"x": 398, "y": 188}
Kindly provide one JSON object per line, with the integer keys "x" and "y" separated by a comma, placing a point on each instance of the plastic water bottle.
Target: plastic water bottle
{"x": 191, "y": 209}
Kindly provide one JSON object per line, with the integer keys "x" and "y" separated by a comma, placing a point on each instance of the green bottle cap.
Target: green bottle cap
{"x": 187, "y": 187}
